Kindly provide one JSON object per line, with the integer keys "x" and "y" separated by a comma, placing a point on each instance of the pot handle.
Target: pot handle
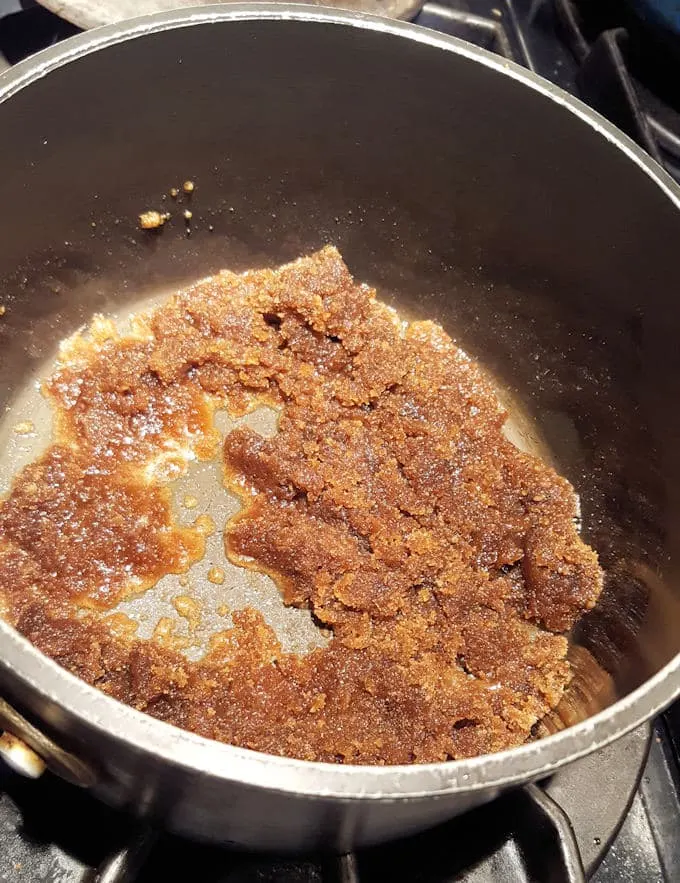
{"x": 29, "y": 752}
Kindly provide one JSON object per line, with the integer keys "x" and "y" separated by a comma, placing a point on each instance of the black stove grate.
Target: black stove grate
{"x": 51, "y": 831}
{"x": 26, "y": 28}
{"x": 592, "y": 49}
{"x": 628, "y": 72}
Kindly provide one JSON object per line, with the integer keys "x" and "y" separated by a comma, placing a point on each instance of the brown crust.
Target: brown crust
{"x": 442, "y": 559}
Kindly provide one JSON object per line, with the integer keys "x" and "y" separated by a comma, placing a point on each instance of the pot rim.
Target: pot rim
{"x": 199, "y": 755}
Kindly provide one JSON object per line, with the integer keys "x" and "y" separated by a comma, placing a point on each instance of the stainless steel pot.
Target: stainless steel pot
{"x": 467, "y": 190}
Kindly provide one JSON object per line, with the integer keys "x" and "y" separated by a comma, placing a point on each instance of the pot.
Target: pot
{"x": 468, "y": 191}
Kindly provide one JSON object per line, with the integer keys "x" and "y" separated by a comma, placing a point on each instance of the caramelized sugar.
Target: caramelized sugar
{"x": 444, "y": 562}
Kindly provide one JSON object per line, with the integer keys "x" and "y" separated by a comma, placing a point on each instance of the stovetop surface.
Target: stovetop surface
{"x": 52, "y": 833}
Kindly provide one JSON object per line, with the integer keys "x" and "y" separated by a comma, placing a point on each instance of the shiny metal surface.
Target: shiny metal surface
{"x": 20, "y": 758}
{"x": 458, "y": 189}
{"x": 30, "y": 751}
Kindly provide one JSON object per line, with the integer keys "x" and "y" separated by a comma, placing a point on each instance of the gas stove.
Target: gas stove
{"x": 619, "y": 809}
{"x": 620, "y": 805}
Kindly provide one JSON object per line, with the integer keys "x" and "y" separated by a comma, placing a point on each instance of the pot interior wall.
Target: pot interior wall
{"x": 464, "y": 195}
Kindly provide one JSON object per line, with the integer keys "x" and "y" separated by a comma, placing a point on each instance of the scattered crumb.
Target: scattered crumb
{"x": 210, "y": 227}
{"x": 174, "y": 192}
{"x": 188, "y": 215}
{"x": 164, "y": 634}
{"x": 26, "y": 427}
{"x": 152, "y": 220}
{"x": 216, "y": 575}
{"x": 189, "y": 501}
{"x": 188, "y": 186}
{"x": 205, "y": 525}
{"x": 3, "y": 310}
{"x": 223, "y": 610}
{"x": 318, "y": 702}
{"x": 183, "y": 580}
{"x": 188, "y": 608}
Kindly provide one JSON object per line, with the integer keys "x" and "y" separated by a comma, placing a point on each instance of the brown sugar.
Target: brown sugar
{"x": 444, "y": 562}
{"x": 152, "y": 220}
{"x": 216, "y": 575}
{"x": 205, "y": 525}
{"x": 188, "y": 608}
